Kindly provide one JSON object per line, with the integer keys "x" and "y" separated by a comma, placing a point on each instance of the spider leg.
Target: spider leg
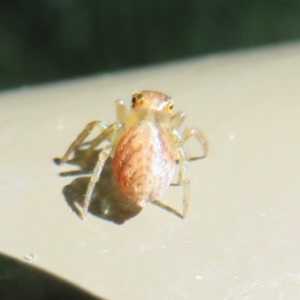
{"x": 195, "y": 132}
{"x": 184, "y": 178}
{"x": 81, "y": 137}
{"x": 175, "y": 123}
{"x": 106, "y": 134}
{"x": 122, "y": 114}
{"x": 103, "y": 156}
{"x": 121, "y": 111}
{"x": 177, "y": 119}
{"x": 166, "y": 207}
{"x": 187, "y": 133}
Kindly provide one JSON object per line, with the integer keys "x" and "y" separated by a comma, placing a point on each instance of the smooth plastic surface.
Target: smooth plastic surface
{"x": 241, "y": 239}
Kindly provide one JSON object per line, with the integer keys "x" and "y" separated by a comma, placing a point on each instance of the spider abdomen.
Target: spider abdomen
{"x": 144, "y": 162}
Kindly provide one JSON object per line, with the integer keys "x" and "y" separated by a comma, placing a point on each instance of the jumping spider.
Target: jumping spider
{"x": 144, "y": 144}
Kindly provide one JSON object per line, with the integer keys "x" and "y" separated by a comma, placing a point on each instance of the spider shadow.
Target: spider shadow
{"x": 108, "y": 202}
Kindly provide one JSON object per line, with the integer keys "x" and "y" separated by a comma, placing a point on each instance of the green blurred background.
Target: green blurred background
{"x": 48, "y": 40}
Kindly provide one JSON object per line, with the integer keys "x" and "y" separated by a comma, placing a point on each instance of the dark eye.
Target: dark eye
{"x": 136, "y": 99}
{"x": 171, "y": 106}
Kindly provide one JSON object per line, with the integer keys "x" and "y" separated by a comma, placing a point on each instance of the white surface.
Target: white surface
{"x": 241, "y": 237}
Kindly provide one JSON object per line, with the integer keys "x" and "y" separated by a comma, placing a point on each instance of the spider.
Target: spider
{"x": 144, "y": 143}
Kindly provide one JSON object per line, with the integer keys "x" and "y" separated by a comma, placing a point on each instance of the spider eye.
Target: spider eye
{"x": 170, "y": 105}
{"x": 137, "y": 99}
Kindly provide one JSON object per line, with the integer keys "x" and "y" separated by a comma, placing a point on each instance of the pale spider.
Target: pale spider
{"x": 145, "y": 144}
